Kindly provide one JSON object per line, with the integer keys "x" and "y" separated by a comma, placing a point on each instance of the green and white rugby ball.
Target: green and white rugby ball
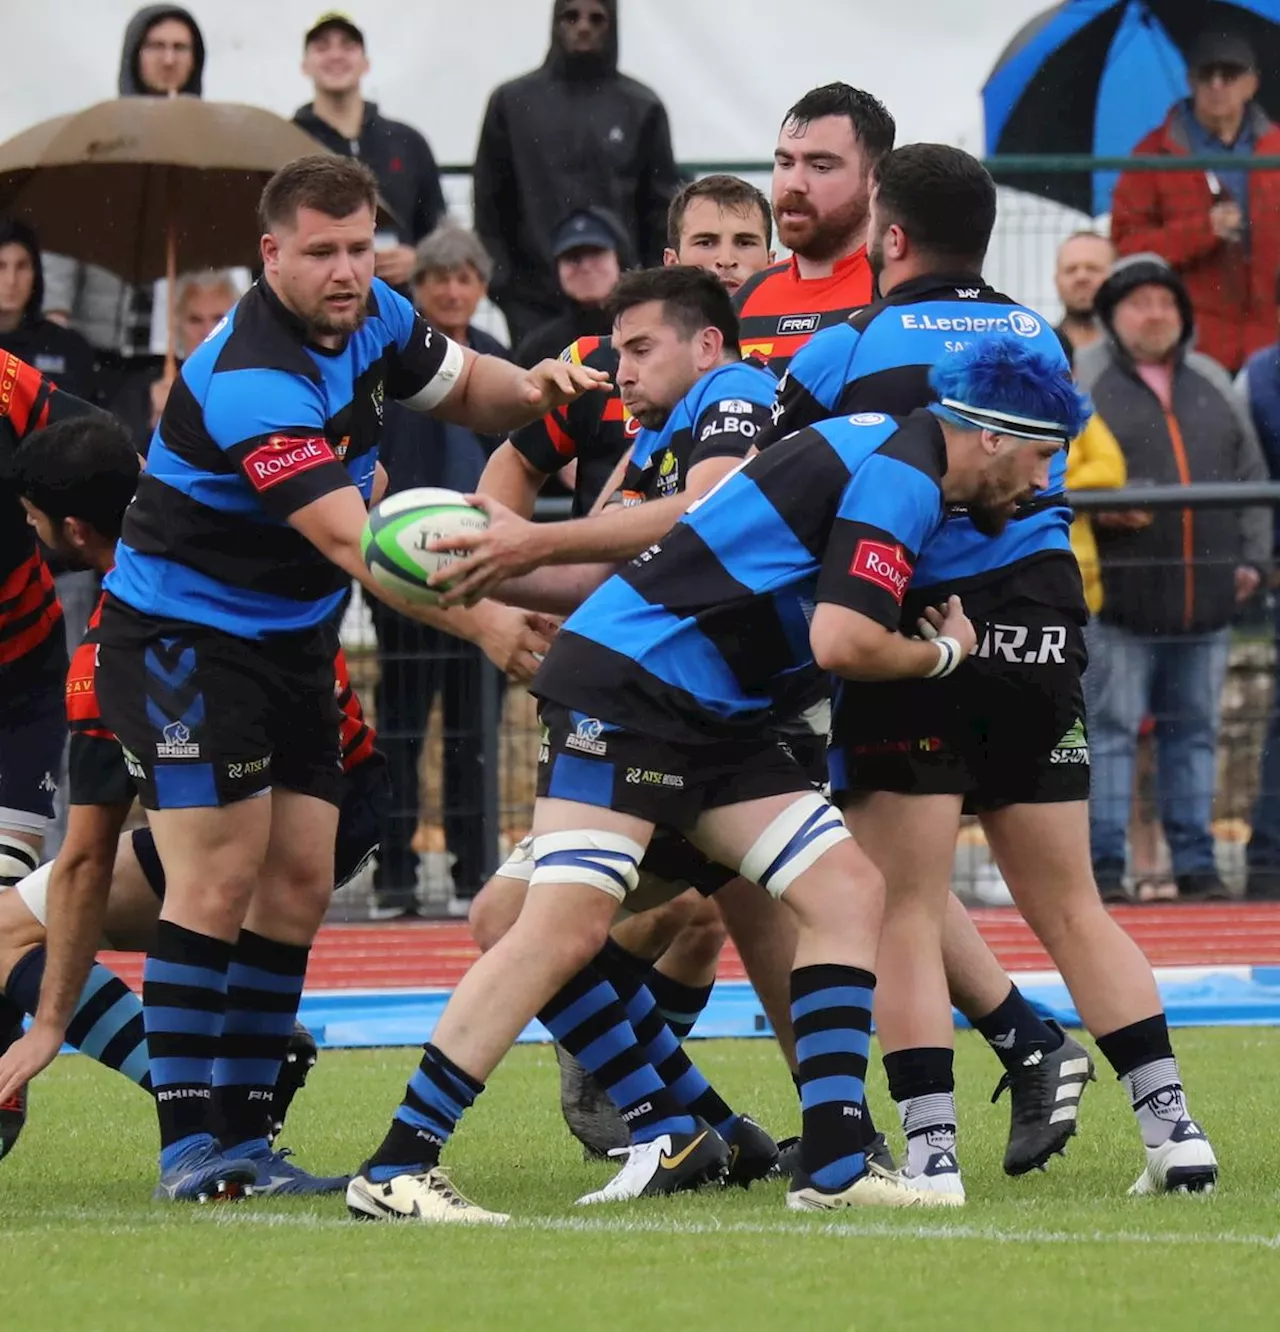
{"x": 400, "y": 528}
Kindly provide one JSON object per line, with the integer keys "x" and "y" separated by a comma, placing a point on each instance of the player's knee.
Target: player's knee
{"x": 495, "y": 908}
{"x": 794, "y": 843}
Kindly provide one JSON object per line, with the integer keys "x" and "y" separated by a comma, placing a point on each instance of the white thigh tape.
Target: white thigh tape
{"x": 34, "y": 892}
{"x": 17, "y": 860}
{"x": 519, "y": 864}
{"x": 792, "y": 842}
{"x": 604, "y": 860}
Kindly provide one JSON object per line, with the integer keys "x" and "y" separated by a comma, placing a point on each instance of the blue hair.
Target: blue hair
{"x": 1000, "y": 372}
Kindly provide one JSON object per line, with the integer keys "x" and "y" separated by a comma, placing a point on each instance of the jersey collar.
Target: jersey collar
{"x": 927, "y": 284}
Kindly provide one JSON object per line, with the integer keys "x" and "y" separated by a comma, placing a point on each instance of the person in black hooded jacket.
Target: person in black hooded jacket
{"x": 59, "y": 353}
{"x": 569, "y": 135}
{"x": 334, "y": 60}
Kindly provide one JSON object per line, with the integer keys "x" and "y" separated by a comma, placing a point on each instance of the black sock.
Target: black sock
{"x": 264, "y": 987}
{"x": 434, "y": 1100}
{"x": 184, "y": 999}
{"x": 1139, "y": 1043}
{"x": 868, "y": 1123}
{"x": 1014, "y": 1030}
{"x": 681, "y": 1005}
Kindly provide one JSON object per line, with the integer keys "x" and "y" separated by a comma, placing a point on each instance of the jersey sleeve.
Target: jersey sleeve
{"x": 271, "y": 426}
{"x": 424, "y": 364}
{"x": 885, "y": 515}
{"x": 810, "y": 390}
{"x": 729, "y": 428}
{"x": 551, "y": 442}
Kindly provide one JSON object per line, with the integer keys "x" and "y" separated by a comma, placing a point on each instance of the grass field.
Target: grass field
{"x": 82, "y": 1247}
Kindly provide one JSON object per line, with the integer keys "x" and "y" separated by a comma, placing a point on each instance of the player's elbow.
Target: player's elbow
{"x": 845, "y": 646}
{"x": 832, "y": 650}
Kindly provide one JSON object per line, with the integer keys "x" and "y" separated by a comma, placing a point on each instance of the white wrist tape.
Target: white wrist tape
{"x": 949, "y": 657}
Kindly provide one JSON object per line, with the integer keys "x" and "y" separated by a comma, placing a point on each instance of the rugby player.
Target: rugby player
{"x": 216, "y": 641}
{"x": 1004, "y": 737}
{"x": 76, "y": 479}
{"x": 683, "y": 662}
{"x": 33, "y": 665}
{"x": 828, "y": 146}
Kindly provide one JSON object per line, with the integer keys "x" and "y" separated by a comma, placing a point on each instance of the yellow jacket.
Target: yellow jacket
{"x": 1094, "y": 462}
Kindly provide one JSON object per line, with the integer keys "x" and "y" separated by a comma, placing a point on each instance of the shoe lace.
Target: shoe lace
{"x": 438, "y": 1181}
{"x": 621, "y": 1184}
{"x": 1030, "y": 1088}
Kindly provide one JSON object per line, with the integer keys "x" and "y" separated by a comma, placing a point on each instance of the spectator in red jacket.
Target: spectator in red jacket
{"x": 1220, "y": 230}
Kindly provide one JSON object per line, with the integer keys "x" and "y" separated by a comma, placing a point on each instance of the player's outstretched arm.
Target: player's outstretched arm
{"x": 556, "y": 591}
{"x": 79, "y": 887}
{"x": 858, "y": 647}
{"x": 492, "y": 396}
{"x": 512, "y": 639}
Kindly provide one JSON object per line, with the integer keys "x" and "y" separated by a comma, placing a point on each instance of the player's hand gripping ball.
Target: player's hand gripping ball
{"x": 399, "y": 530}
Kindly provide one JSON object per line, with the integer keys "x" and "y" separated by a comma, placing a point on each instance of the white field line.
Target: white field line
{"x": 249, "y": 1215}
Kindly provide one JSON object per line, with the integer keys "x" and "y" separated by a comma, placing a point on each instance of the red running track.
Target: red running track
{"x": 433, "y": 954}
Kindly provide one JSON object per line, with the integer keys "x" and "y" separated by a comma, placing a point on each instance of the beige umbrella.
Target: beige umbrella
{"x": 131, "y": 184}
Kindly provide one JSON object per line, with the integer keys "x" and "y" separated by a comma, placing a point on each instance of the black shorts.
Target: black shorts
{"x": 33, "y": 731}
{"x": 594, "y": 763}
{"x": 366, "y": 795}
{"x": 207, "y": 719}
{"x": 1008, "y": 728}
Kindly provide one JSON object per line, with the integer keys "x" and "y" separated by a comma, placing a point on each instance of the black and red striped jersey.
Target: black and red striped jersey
{"x": 357, "y": 736}
{"x": 779, "y": 311}
{"x": 596, "y": 429}
{"x": 29, "y": 610}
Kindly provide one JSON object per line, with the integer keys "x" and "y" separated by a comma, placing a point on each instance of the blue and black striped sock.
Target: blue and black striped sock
{"x": 681, "y": 1005}
{"x": 587, "y": 1019}
{"x": 433, "y": 1103}
{"x": 107, "y": 1023}
{"x": 831, "y": 1013}
{"x": 184, "y": 998}
{"x": 679, "y": 1074}
{"x": 264, "y": 987}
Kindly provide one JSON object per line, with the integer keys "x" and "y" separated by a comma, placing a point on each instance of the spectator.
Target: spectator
{"x": 1258, "y": 387}
{"x": 334, "y": 60}
{"x": 565, "y": 136}
{"x": 163, "y": 53}
{"x": 1218, "y": 229}
{"x": 1171, "y": 579}
{"x": 1094, "y": 462}
{"x": 201, "y": 302}
{"x": 58, "y": 352}
{"x": 590, "y": 253}
{"x": 450, "y": 278}
{"x": 1083, "y": 261}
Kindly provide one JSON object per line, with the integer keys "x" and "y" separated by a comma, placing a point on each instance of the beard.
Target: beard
{"x": 820, "y": 236}
{"x": 321, "y": 322}
{"x": 991, "y": 519}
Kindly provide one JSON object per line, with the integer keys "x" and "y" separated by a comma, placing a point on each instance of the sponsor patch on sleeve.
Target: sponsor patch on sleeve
{"x": 284, "y": 456}
{"x": 885, "y": 565}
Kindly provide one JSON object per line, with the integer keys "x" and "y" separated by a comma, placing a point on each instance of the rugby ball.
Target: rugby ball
{"x": 398, "y": 531}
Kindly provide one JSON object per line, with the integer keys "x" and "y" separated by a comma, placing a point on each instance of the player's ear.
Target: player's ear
{"x": 711, "y": 344}
{"x": 991, "y": 443}
{"x": 669, "y": 258}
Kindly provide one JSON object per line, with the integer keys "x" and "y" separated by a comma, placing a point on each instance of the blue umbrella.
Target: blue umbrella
{"x": 1093, "y": 76}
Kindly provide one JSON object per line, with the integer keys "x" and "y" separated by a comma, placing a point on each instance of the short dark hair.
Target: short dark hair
{"x": 85, "y": 467}
{"x": 727, "y": 192}
{"x": 873, "y": 126}
{"x": 691, "y": 298}
{"x": 333, "y": 185}
{"x": 942, "y": 197}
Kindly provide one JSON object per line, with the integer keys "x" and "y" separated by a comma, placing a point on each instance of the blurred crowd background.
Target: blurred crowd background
{"x": 527, "y": 151}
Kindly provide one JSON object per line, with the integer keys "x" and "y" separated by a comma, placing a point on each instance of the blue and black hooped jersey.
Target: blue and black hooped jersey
{"x": 259, "y": 424}
{"x": 705, "y": 636}
{"x": 879, "y": 361}
{"x": 722, "y": 416}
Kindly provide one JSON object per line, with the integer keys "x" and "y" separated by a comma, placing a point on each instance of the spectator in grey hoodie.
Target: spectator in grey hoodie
{"x": 162, "y": 54}
{"x": 1172, "y": 578}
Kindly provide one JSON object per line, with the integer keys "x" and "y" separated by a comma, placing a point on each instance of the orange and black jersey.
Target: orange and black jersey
{"x": 596, "y": 429}
{"x": 29, "y": 611}
{"x": 97, "y": 766}
{"x": 779, "y": 311}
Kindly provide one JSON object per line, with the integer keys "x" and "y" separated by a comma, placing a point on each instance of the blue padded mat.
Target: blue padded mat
{"x": 399, "y": 1017}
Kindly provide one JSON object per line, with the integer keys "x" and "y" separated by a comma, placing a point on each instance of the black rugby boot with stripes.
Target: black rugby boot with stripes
{"x": 1045, "y": 1091}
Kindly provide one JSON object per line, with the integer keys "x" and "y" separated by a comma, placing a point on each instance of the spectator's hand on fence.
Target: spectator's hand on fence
{"x": 394, "y": 265}
{"x": 552, "y": 384}
{"x": 516, "y": 641}
{"x": 508, "y": 547}
{"x": 1248, "y": 580}
{"x": 1132, "y": 520}
{"x": 1227, "y": 220}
